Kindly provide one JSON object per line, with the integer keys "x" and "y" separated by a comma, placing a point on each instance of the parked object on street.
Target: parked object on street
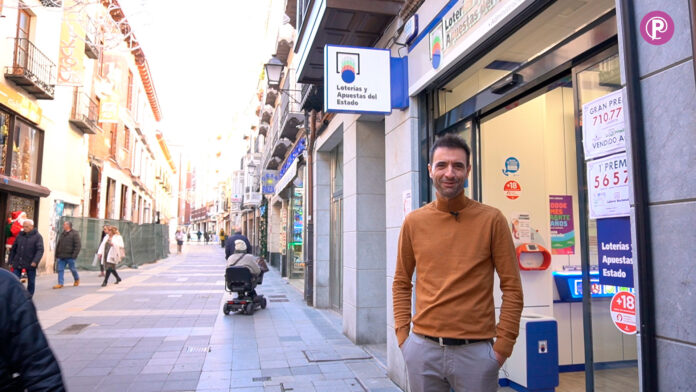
{"x": 26, "y": 253}
{"x": 26, "y": 360}
{"x": 242, "y": 275}
{"x": 67, "y": 250}
{"x": 111, "y": 252}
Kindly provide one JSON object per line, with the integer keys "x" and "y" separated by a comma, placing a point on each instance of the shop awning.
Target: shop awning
{"x": 8, "y": 184}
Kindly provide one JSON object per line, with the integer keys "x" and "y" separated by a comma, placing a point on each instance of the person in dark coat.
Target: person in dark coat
{"x": 26, "y": 253}
{"x": 229, "y": 242}
{"x": 67, "y": 249}
{"x": 26, "y": 361}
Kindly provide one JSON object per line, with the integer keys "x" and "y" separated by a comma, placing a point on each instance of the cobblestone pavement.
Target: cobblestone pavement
{"x": 162, "y": 329}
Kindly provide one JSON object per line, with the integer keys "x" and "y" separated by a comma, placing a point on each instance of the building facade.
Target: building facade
{"x": 80, "y": 120}
{"x": 521, "y": 81}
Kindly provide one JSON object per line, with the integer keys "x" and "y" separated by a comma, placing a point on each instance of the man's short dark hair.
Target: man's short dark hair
{"x": 68, "y": 223}
{"x": 451, "y": 140}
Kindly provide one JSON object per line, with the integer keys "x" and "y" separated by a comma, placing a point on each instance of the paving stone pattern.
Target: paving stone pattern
{"x": 162, "y": 329}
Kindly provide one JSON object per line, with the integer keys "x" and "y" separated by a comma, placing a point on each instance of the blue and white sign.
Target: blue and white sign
{"x": 615, "y": 252}
{"x": 357, "y": 80}
{"x": 512, "y": 166}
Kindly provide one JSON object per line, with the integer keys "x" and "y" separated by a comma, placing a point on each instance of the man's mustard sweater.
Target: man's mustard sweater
{"x": 454, "y": 257}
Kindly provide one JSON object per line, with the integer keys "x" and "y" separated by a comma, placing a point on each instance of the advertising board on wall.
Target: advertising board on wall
{"x": 603, "y": 125}
{"x": 614, "y": 250}
{"x": 357, "y": 80}
{"x": 608, "y": 186}
{"x": 562, "y": 230}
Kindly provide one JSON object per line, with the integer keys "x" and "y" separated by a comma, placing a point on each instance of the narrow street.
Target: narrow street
{"x": 162, "y": 329}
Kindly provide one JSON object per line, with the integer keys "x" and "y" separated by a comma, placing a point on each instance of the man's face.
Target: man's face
{"x": 28, "y": 227}
{"x": 449, "y": 170}
{"x": 66, "y": 227}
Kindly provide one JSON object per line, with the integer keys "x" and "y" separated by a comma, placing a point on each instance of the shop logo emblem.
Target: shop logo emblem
{"x": 436, "y": 47}
{"x": 348, "y": 65}
{"x": 657, "y": 28}
{"x": 512, "y": 166}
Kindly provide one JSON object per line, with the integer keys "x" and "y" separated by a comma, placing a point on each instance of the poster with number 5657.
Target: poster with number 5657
{"x": 608, "y": 183}
{"x": 603, "y": 130}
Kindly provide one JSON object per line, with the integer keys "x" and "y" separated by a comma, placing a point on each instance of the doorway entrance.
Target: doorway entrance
{"x": 532, "y": 161}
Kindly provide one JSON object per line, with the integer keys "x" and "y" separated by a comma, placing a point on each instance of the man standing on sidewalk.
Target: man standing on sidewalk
{"x": 67, "y": 249}
{"x": 455, "y": 244}
{"x": 26, "y": 253}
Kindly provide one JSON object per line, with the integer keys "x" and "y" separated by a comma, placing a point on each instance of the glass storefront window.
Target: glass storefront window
{"x": 556, "y": 23}
{"x": 296, "y": 234}
{"x": 25, "y": 152}
{"x": 4, "y": 136}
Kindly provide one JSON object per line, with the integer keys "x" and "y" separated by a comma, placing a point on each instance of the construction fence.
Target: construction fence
{"x": 145, "y": 243}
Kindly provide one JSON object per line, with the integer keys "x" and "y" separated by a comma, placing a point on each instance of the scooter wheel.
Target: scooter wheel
{"x": 263, "y": 303}
{"x": 225, "y": 310}
{"x": 249, "y": 308}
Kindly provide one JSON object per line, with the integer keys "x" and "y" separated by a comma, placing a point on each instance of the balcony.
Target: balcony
{"x": 85, "y": 112}
{"x": 311, "y": 97}
{"x": 92, "y": 49}
{"x": 291, "y": 113}
{"x": 281, "y": 147}
{"x": 263, "y": 128}
{"x": 284, "y": 42}
{"x": 252, "y": 199}
{"x": 338, "y": 22}
{"x": 271, "y": 96}
{"x": 32, "y": 70}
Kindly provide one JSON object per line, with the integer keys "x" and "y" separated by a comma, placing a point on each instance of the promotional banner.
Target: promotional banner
{"x": 615, "y": 252}
{"x": 357, "y": 80}
{"x": 109, "y": 88}
{"x": 603, "y": 125}
{"x": 608, "y": 187}
{"x": 72, "y": 47}
{"x": 562, "y": 230}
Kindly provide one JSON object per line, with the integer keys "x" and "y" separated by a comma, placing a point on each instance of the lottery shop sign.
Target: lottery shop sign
{"x": 623, "y": 312}
{"x": 603, "y": 129}
{"x": 608, "y": 186}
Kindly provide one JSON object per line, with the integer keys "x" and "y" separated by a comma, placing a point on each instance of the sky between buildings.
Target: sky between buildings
{"x": 206, "y": 57}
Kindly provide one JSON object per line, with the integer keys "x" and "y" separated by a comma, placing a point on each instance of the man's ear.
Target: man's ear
{"x": 430, "y": 171}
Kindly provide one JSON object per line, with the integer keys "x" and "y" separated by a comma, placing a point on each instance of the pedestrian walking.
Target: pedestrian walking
{"x": 26, "y": 360}
{"x": 188, "y": 236}
{"x": 222, "y": 238}
{"x": 206, "y": 237}
{"x": 199, "y": 234}
{"x": 111, "y": 252}
{"x": 232, "y": 240}
{"x": 97, "y": 258}
{"x": 179, "y": 236}
{"x": 455, "y": 244}
{"x": 26, "y": 253}
{"x": 67, "y": 250}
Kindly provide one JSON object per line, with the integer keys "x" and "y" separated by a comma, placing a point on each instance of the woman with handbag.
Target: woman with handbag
{"x": 111, "y": 252}
{"x": 97, "y": 256}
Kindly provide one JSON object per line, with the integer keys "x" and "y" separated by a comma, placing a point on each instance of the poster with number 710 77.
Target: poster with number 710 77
{"x": 608, "y": 182}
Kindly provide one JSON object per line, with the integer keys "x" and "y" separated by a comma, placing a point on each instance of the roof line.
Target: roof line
{"x": 143, "y": 68}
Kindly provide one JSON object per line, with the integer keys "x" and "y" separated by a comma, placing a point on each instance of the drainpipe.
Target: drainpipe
{"x": 309, "y": 210}
{"x": 642, "y": 248}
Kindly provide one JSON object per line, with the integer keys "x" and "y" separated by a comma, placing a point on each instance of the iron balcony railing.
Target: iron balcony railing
{"x": 37, "y": 69}
{"x": 85, "y": 111}
{"x": 291, "y": 98}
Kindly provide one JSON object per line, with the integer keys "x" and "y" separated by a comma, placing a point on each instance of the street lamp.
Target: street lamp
{"x": 274, "y": 68}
